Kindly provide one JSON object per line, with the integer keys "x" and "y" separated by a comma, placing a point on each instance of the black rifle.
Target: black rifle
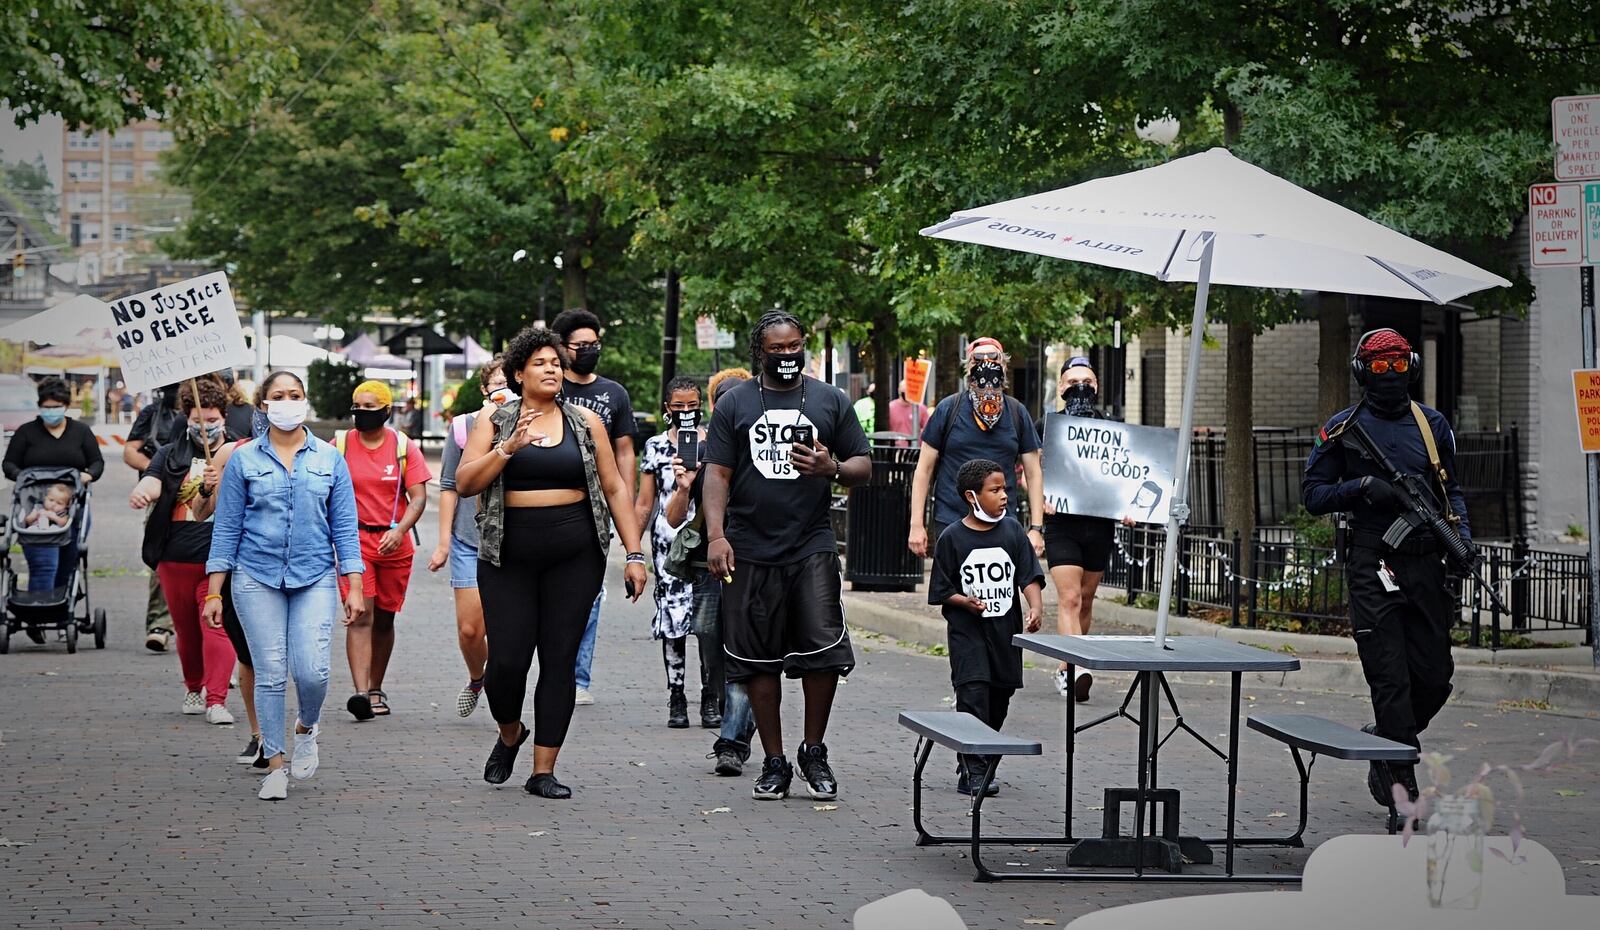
{"x": 1423, "y": 510}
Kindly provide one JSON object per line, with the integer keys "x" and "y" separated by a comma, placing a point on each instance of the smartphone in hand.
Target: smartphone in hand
{"x": 689, "y": 448}
{"x": 804, "y": 435}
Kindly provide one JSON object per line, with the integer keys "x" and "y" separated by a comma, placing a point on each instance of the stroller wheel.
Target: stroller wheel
{"x": 72, "y": 637}
{"x": 100, "y": 628}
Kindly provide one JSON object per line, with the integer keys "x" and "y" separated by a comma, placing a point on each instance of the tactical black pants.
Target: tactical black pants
{"x": 1403, "y": 637}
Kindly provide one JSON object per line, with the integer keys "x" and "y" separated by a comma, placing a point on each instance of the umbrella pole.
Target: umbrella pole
{"x": 1179, "y": 514}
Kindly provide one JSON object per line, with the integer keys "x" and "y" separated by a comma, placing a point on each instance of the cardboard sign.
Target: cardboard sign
{"x": 1586, "y": 396}
{"x": 1102, "y": 468}
{"x": 178, "y": 332}
{"x": 918, "y": 371}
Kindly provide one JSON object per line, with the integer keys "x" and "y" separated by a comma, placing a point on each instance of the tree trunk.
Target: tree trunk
{"x": 1238, "y": 466}
{"x": 946, "y": 368}
{"x": 1333, "y": 355}
{"x": 574, "y": 279}
{"x": 885, "y": 370}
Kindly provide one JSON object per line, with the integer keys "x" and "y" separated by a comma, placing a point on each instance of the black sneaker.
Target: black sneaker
{"x": 813, "y": 761}
{"x": 730, "y": 757}
{"x": 251, "y": 751}
{"x": 1378, "y": 777}
{"x": 710, "y": 710}
{"x": 773, "y": 785}
{"x": 501, "y": 759}
{"x": 969, "y": 775}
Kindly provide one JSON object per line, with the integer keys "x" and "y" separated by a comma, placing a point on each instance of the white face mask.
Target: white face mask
{"x": 982, "y": 514}
{"x": 500, "y": 395}
{"x": 287, "y": 414}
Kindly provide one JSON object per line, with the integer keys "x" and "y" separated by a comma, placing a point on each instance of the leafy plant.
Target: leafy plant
{"x": 1478, "y": 789}
{"x": 329, "y": 385}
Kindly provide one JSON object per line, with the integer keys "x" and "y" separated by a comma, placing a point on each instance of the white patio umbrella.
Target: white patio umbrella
{"x": 1213, "y": 218}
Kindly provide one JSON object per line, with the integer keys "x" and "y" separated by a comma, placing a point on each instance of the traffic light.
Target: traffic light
{"x": 19, "y": 265}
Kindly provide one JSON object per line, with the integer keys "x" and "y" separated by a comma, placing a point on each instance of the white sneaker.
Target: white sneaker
{"x": 218, "y": 715}
{"x": 304, "y": 763}
{"x": 1063, "y": 683}
{"x": 275, "y": 787}
{"x": 583, "y": 697}
{"x": 193, "y": 703}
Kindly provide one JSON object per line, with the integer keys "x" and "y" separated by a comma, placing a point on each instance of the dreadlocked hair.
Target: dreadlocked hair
{"x": 759, "y": 332}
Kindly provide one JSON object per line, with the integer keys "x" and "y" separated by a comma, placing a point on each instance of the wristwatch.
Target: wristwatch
{"x": 1037, "y": 528}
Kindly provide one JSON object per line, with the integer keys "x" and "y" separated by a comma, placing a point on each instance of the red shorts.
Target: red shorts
{"x": 387, "y": 576}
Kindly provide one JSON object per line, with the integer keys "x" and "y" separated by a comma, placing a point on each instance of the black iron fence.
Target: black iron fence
{"x": 1296, "y": 583}
{"x": 1486, "y": 468}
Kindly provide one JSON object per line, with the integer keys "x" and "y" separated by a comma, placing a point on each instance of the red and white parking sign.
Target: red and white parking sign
{"x": 1555, "y": 224}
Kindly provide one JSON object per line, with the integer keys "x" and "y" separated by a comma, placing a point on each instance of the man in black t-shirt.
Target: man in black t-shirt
{"x": 776, "y": 445}
{"x": 580, "y": 339}
{"x": 157, "y": 425}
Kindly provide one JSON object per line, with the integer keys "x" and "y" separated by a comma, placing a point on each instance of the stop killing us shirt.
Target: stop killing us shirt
{"x": 994, "y": 566}
{"x": 776, "y": 516}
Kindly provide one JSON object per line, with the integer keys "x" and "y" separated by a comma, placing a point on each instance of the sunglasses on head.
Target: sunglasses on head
{"x": 1382, "y": 366}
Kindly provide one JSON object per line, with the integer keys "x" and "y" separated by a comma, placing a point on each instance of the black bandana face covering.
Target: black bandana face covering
{"x": 1079, "y": 398}
{"x": 986, "y": 383}
{"x": 1389, "y": 395}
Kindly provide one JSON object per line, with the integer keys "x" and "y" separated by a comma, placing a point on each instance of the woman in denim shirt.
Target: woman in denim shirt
{"x": 282, "y": 530}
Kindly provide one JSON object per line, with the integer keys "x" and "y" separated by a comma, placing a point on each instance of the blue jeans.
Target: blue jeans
{"x": 586, "y": 645}
{"x": 43, "y": 565}
{"x": 738, "y": 722}
{"x": 290, "y": 632}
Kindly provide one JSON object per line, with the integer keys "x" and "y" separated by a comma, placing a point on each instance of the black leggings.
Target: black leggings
{"x": 551, "y": 568}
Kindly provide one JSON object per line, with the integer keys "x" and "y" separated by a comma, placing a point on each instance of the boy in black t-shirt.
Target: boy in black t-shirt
{"x": 980, "y": 566}
{"x": 776, "y": 445}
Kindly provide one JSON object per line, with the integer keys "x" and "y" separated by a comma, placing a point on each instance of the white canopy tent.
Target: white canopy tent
{"x": 1214, "y": 218}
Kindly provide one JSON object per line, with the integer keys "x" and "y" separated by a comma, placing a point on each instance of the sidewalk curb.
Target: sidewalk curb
{"x": 1326, "y": 668}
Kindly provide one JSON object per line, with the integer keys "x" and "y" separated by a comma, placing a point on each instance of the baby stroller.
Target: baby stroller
{"x": 64, "y": 608}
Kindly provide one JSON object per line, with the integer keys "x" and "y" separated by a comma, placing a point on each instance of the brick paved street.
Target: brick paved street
{"x": 117, "y": 811}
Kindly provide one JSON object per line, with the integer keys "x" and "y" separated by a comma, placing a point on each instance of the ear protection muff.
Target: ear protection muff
{"x": 1360, "y": 371}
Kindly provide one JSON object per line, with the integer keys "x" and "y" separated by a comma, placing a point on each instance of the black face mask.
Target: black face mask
{"x": 1079, "y": 397}
{"x": 369, "y": 420}
{"x": 785, "y": 366}
{"x": 1388, "y": 394}
{"x": 685, "y": 419}
{"x": 585, "y": 359}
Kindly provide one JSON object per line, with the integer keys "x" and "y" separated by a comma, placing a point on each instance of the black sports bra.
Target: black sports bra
{"x": 547, "y": 468}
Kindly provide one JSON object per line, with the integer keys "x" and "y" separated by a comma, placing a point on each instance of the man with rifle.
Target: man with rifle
{"x": 1389, "y": 464}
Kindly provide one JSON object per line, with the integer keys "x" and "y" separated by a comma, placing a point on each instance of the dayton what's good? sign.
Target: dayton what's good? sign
{"x": 1102, "y": 468}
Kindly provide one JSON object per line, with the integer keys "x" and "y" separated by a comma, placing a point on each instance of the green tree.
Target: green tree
{"x": 112, "y": 62}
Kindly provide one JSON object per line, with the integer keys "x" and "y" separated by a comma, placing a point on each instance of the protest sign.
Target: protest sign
{"x": 177, "y": 332}
{"x": 1102, "y": 468}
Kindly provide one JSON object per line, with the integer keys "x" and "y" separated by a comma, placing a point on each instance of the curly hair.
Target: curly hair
{"x": 493, "y": 365}
{"x": 213, "y": 396}
{"x": 974, "y": 473}
{"x": 569, "y": 321}
{"x": 522, "y": 346}
{"x": 54, "y": 389}
{"x": 759, "y": 332}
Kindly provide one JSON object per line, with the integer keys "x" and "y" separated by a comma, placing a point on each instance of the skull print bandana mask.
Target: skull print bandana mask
{"x": 986, "y": 384}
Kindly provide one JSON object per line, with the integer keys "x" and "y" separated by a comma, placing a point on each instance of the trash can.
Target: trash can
{"x": 879, "y": 518}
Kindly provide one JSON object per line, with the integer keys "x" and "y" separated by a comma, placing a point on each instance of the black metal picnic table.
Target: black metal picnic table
{"x": 1151, "y": 664}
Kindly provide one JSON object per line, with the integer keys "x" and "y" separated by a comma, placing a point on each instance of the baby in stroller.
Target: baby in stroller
{"x": 49, "y": 516}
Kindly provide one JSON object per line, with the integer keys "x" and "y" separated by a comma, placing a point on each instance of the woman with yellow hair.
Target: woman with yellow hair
{"x": 390, "y": 479}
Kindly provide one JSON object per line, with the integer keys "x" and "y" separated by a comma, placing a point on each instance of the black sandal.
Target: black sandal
{"x": 544, "y": 785}
{"x": 359, "y": 707}
{"x": 379, "y": 703}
